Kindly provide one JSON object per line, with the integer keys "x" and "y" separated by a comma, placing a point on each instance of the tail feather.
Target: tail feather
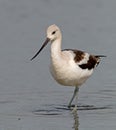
{"x": 98, "y": 56}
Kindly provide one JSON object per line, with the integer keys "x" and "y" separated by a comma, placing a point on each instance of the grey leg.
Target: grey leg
{"x": 74, "y": 94}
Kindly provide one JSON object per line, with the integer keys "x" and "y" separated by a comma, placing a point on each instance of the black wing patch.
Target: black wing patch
{"x": 79, "y": 55}
{"x": 92, "y": 62}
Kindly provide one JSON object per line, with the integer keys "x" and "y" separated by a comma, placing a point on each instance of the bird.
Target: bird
{"x": 69, "y": 67}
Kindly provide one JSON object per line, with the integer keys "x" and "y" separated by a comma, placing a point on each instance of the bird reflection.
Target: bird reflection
{"x": 76, "y": 119}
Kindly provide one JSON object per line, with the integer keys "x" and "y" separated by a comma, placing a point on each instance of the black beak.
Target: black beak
{"x": 44, "y": 44}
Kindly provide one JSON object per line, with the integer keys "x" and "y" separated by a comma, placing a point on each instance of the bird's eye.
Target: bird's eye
{"x": 53, "y": 32}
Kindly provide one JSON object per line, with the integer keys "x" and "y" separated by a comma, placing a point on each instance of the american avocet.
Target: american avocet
{"x": 69, "y": 67}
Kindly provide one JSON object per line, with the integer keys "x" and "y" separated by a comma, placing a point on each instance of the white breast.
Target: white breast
{"x": 66, "y": 72}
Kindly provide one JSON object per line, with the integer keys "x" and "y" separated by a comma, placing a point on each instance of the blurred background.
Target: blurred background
{"x": 26, "y": 87}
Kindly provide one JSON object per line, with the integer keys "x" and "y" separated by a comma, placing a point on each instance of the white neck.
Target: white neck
{"x": 56, "y": 49}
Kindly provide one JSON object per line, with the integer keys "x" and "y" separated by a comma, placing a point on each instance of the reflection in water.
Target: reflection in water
{"x": 60, "y": 110}
{"x": 76, "y": 119}
{"x": 83, "y": 107}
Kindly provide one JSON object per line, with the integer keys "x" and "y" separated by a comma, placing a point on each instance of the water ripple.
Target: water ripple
{"x": 61, "y": 109}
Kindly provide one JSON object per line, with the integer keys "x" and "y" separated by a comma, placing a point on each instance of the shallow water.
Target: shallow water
{"x": 29, "y": 98}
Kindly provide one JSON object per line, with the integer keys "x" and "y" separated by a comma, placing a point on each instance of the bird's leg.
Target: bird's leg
{"x": 74, "y": 94}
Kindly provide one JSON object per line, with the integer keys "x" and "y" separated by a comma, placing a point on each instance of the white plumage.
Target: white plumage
{"x": 69, "y": 67}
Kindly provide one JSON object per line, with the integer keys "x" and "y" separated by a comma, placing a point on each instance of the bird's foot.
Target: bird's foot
{"x": 72, "y": 107}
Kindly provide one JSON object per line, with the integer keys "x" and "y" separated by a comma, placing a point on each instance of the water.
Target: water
{"x": 29, "y": 98}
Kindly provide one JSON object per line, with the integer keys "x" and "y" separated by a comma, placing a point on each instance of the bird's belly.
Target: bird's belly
{"x": 70, "y": 75}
